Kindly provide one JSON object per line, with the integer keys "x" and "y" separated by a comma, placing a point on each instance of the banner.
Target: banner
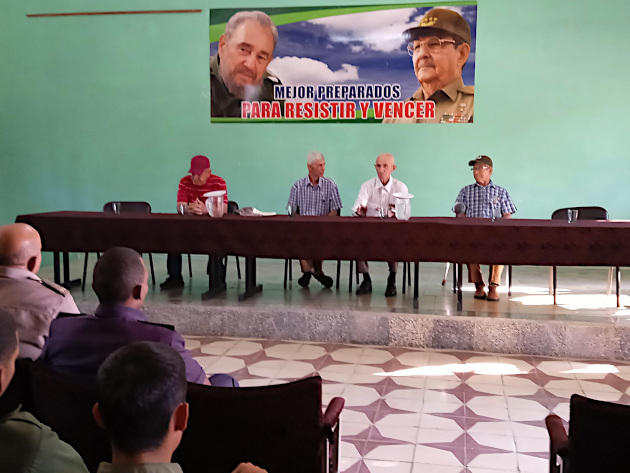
{"x": 363, "y": 64}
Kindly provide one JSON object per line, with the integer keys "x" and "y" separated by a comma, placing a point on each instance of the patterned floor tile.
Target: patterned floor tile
{"x": 419, "y": 411}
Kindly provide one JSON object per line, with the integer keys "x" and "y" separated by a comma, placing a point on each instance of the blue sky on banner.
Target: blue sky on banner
{"x": 358, "y": 48}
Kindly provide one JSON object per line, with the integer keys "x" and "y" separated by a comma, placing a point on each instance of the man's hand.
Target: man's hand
{"x": 248, "y": 468}
{"x": 362, "y": 211}
{"x": 197, "y": 207}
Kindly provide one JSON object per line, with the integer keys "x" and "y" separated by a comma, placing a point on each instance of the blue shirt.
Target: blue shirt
{"x": 486, "y": 202}
{"x": 314, "y": 200}
{"x": 78, "y": 345}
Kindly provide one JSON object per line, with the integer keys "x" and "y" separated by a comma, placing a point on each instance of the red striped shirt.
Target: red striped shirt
{"x": 188, "y": 191}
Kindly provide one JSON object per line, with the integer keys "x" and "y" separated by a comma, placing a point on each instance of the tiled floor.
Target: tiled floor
{"x": 427, "y": 411}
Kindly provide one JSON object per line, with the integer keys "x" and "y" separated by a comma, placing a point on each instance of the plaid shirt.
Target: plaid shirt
{"x": 308, "y": 199}
{"x": 486, "y": 202}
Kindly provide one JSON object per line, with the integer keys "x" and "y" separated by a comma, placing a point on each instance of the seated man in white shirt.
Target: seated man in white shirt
{"x": 376, "y": 199}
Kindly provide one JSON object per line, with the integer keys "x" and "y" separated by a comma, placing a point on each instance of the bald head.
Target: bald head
{"x": 385, "y": 165}
{"x": 20, "y": 247}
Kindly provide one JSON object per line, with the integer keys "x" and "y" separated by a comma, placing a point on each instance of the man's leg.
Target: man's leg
{"x": 475, "y": 276}
{"x": 318, "y": 273}
{"x": 390, "y": 291}
{"x": 495, "y": 281}
{"x": 307, "y": 271}
{"x": 174, "y": 270}
{"x": 366, "y": 284}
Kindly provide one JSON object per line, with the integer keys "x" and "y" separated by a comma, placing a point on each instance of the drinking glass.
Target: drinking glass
{"x": 116, "y": 207}
{"x": 182, "y": 209}
{"x": 290, "y": 211}
{"x": 572, "y": 215}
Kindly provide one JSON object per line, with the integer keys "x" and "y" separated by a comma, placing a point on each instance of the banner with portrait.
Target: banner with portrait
{"x": 412, "y": 63}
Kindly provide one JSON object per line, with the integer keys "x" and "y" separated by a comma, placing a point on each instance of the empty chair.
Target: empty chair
{"x": 597, "y": 439}
{"x": 584, "y": 213}
{"x": 122, "y": 207}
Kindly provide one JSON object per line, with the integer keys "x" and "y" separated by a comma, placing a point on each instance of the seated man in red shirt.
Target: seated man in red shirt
{"x": 190, "y": 195}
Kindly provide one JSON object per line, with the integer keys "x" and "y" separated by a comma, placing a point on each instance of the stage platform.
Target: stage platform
{"x": 584, "y": 324}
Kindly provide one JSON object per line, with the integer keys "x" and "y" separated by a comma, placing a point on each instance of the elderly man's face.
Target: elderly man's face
{"x": 245, "y": 56}
{"x": 384, "y": 168}
{"x": 440, "y": 66}
{"x": 316, "y": 169}
{"x": 200, "y": 179}
{"x": 482, "y": 173}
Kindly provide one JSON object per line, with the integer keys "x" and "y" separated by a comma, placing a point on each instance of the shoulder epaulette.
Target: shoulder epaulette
{"x": 55, "y": 287}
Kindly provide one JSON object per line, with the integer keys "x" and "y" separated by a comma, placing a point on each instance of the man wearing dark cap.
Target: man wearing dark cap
{"x": 190, "y": 197}
{"x": 484, "y": 199}
{"x": 440, "y": 46}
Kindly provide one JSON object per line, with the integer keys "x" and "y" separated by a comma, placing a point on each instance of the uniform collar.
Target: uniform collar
{"x": 18, "y": 273}
{"x": 450, "y": 90}
{"x": 107, "y": 311}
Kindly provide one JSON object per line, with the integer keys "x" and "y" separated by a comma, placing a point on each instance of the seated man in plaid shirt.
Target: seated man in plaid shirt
{"x": 314, "y": 195}
{"x": 484, "y": 199}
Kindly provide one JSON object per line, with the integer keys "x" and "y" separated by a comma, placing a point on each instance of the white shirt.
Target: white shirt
{"x": 378, "y": 196}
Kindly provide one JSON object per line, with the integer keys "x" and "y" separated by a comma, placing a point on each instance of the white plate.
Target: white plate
{"x": 403, "y": 195}
{"x": 214, "y": 194}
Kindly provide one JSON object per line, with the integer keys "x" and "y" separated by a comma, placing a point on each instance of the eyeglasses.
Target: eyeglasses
{"x": 480, "y": 168}
{"x": 433, "y": 45}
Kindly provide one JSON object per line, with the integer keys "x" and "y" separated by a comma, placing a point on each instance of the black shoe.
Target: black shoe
{"x": 364, "y": 288}
{"x": 172, "y": 282}
{"x": 325, "y": 281}
{"x": 305, "y": 279}
{"x": 390, "y": 291}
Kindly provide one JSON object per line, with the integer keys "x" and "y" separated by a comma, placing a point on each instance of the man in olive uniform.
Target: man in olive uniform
{"x": 27, "y": 445}
{"x": 440, "y": 47}
{"x": 33, "y": 302}
{"x": 239, "y": 71}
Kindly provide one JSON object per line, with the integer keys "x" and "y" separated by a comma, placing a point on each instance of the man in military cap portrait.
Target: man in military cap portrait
{"x": 439, "y": 47}
{"x": 238, "y": 71}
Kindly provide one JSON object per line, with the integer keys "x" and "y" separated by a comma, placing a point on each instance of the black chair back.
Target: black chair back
{"x": 278, "y": 428}
{"x": 598, "y": 436}
{"x": 129, "y": 207}
{"x": 584, "y": 213}
{"x": 232, "y": 207}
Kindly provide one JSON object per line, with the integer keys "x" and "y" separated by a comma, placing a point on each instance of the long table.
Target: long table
{"x": 421, "y": 239}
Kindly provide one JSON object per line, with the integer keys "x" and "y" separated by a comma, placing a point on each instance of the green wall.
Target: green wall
{"x": 105, "y": 108}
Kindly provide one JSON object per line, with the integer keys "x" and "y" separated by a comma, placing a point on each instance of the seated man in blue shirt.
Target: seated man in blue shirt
{"x": 484, "y": 199}
{"x": 77, "y": 345}
{"x": 314, "y": 195}
{"x": 141, "y": 404}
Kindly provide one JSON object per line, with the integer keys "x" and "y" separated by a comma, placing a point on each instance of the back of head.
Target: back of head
{"x": 19, "y": 243}
{"x": 116, "y": 273}
{"x": 8, "y": 337}
{"x": 138, "y": 388}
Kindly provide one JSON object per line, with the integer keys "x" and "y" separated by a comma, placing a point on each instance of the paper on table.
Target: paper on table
{"x": 254, "y": 212}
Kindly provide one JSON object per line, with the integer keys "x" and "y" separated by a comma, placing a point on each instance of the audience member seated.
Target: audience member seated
{"x": 33, "y": 302}
{"x": 141, "y": 404}
{"x": 26, "y": 445}
{"x": 77, "y": 345}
